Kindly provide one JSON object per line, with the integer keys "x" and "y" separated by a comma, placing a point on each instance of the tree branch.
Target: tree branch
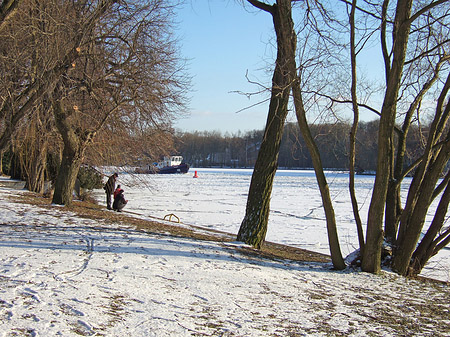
{"x": 426, "y": 9}
{"x": 261, "y": 5}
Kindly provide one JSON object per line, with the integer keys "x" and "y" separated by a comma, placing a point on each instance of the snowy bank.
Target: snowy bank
{"x": 64, "y": 275}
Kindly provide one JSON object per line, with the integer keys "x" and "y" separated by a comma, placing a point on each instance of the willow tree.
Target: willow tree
{"x": 127, "y": 72}
{"x": 33, "y": 60}
{"x": 254, "y": 225}
{"x": 27, "y": 57}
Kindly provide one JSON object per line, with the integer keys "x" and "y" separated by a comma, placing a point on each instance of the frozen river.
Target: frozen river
{"x": 217, "y": 199}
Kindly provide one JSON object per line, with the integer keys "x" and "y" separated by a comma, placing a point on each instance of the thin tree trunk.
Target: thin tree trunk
{"x": 333, "y": 240}
{"x": 354, "y": 130}
{"x": 1, "y": 162}
{"x": 393, "y": 200}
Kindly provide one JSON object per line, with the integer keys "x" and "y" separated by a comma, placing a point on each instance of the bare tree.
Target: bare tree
{"x": 30, "y": 73}
{"x": 30, "y": 133}
{"x": 127, "y": 74}
{"x": 409, "y": 28}
{"x": 414, "y": 69}
{"x": 100, "y": 67}
{"x": 354, "y": 129}
{"x": 254, "y": 225}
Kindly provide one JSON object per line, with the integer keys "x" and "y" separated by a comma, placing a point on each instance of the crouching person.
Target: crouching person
{"x": 119, "y": 201}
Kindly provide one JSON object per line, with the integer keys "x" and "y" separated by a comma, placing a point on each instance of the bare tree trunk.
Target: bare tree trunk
{"x": 391, "y": 179}
{"x": 422, "y": 188}
{"x": 333, "y": 240}
{"x": 254, "y": 225}
{"x": 35, "y": 147}
{"x": 426, "y": 249}
{"x": 371, "y": 261}
{"x": 393, "y": 211}
{"x": 354, "y": 130}
{"x": 67, "y": 175}
{"x": 393, "y": 200}
{"x": 35, "y": 169}
{"x": 72, "y": 157}
{"x": 15, "y": 169}
{"x": 411, "y": 225}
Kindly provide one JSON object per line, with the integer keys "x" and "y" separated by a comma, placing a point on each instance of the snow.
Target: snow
{"x": 62, "y": 275}
{"x": 217, "y": 199}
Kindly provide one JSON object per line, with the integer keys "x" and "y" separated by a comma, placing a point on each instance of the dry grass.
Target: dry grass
{"x": 92, "y": 211}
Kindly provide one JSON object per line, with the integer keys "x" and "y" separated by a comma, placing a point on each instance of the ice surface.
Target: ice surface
{"x": 217, "y": 199}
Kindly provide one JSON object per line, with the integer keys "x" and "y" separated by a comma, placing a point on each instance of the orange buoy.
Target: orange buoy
{"x": 195, "y": 174}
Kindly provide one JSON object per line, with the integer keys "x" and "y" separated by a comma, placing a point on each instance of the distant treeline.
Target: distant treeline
{"x": 213, "y": 149}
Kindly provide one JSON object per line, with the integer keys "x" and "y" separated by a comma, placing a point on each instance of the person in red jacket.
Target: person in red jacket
{"x": 109, "y": 189}
{"x": 117, "y": 191}
{"x": 119, "y": 201}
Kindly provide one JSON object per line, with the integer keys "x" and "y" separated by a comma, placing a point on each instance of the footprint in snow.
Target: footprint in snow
{"x": 82, "y": 328}
{"x": 69, "y": 310}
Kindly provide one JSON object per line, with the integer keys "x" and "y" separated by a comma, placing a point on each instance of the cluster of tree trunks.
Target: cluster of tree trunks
{"x": 388, "y": 222}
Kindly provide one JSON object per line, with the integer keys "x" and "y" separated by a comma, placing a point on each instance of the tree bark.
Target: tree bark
{"x": 333, "y": 240}
{"x": 425, "y": 250}
{"x": 371, "y": 261}
{"x": 254, "y": 225}
{"x": 72, "y": 157}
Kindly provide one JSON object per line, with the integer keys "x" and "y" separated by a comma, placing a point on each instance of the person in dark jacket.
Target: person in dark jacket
{"x": 119, "y": 201}
{"x": 117, "y": 190}
{"x": 109, "y": 189}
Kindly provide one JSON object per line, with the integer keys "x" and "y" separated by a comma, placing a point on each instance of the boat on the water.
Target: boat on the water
{"x": 170, "y": 165}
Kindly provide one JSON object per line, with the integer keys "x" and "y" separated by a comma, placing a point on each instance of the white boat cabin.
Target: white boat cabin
{"x": 170, "y": 161}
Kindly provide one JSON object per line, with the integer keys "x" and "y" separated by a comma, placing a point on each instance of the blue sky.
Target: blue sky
{"x": 222, "y": 41}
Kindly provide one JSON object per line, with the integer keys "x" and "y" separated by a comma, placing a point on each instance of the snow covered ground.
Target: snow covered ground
{"x": 217, "y": 199}
{"x": 62, "y": 275}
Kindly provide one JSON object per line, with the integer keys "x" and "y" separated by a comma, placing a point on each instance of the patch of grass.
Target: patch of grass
{"x": 93, "y": 211}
